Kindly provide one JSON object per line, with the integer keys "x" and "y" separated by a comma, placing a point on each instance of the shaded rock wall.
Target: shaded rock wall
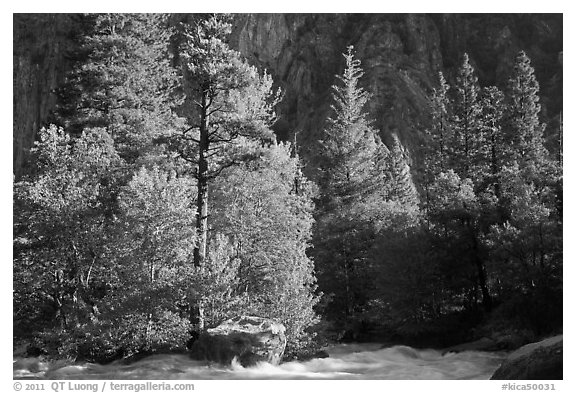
{"x": 401, "y": 55}
{"x": 41, "y": 43}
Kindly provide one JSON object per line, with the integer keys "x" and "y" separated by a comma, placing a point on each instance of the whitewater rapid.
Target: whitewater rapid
{"x": 346, "y": 361}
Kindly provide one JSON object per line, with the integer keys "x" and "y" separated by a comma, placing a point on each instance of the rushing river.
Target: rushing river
{"x": 346, "y": 361}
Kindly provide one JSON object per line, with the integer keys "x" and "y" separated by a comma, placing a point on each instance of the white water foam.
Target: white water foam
{"x": 346, "y": 361}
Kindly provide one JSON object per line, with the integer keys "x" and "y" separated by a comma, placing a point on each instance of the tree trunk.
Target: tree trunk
{"x": 197, "y": 305}
{"x": 349, "y": 306}
{"x": 494, "y": 165}
{"x": 481, "y": 271}
{"x": 202, "y": 215}
{"x": 202, "y": 199}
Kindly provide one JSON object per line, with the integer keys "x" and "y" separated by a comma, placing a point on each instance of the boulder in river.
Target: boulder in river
{"x": 249, "y": 339}
{"x": 540, "y": 360}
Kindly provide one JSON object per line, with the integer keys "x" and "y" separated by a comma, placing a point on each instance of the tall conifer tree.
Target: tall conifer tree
{"x": 466, "y": 121}
{"x": 351, "y": 150}
{"x": 523, "y": 109}
{"x": 494, "y": 152}
{"x": 400, "y": 185}
{"x": 122, "y": 81}
{"x": 227, "y": 103}
{"x": 352, "y": 189}
{"x": 437, "y": 149}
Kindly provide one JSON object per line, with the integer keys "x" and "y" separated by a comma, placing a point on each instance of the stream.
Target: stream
{"x": 346, "y": 361}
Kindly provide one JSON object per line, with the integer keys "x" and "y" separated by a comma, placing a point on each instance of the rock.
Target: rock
{"x": 248, "y": 339}
{"x": 321, "y": 354}
{"x": 514, "y": 340}
{"x": 541, "y": 360}
{"x": 483, "y": 344}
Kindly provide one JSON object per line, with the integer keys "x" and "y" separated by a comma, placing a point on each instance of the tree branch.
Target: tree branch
{"x": 190, "y": 160}
{"x": 217, "y": 172}
{"x": 189, "y": 138}
{"x": 219, "y": 139}
{"x": 217, "y": 109}
{"x": 215, "y": 151}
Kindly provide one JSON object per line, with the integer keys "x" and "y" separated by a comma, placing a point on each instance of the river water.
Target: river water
{"x": 346, "y": 361}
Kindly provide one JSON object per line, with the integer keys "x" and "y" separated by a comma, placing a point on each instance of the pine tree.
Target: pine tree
{"x": 494, "y": 152}
{"x": 523, "y": 109}
{"x": 559, "y": 170}
{"x": 226, "y": 101}
{"x": 352, "y": 184}
{"x": 466, "y": 165}
{"x": 400, "y": 184}
{"x": 122, "y": 81}
{"x": 351, "y": 150}
{"x": 437, "y": 148}
{"x": 466, "y": 121}
{"x": 228, "y": 104}
{"x": 529, "y": 242}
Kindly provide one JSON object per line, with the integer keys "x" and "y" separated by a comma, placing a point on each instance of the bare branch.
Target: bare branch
{"x": 214, "y": 152}
{"x": 216, "y": 173}
{"x": 190, "y": 129}
{"x": 189, "y": 138}
{"x": 219, "y": 139}
{"x": 217, "y": 109}
{"x": 216, "y": 129}
{"x": 185, "y": 158}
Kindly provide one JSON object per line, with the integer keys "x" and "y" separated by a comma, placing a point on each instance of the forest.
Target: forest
{"x": 158, "y": 201}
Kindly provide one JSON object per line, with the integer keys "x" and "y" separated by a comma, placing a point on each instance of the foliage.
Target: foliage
{"x": 523, "y": 110}
{"x": 465, "y": 146}
{"x": 227, "y": 101}
{"x": 492, "y": 229}
{"x": 269, "y": 221}
{"x": 110, "y": 277}
{"x": 155, "y": 239}
{"x": 400, "y": 186}
{"x": 494, "y": 151}
{"x": 62, "y": 217}
{"x": 61, "y": 222}
{"x": 216, "y": 283}
{"x": 351, "y": 152}
{"x": 440, "y": 132}
{"x": 365, "y": 188}
{"x": 226, "y": 98}
{"x": 122, "y": 81}
{"x": 106, "y": 228}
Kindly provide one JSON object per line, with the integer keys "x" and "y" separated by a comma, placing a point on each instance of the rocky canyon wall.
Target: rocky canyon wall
{"x": 401, "y": 55}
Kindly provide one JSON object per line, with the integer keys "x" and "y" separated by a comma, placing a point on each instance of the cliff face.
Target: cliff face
{"x": 401, "y": 55}
{"x": 41, "y": 42}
